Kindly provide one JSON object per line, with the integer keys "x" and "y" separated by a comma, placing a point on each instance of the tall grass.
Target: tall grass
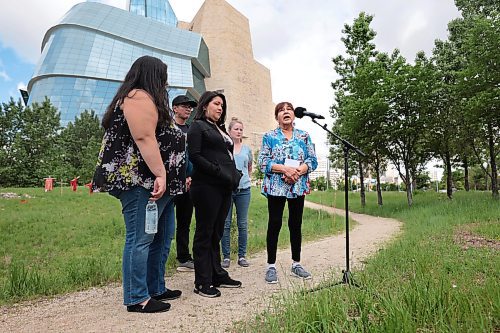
{"x": 424, "y": 282}
{"x": 54, "y": 243}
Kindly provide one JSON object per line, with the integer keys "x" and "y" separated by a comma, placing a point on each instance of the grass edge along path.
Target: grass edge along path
{"x": 423, "y": 282}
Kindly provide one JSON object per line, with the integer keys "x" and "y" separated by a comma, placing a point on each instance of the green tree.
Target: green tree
{"x": 80, "y": 142}
{"x": 475, "y": 36}
{"x": 319, "y": 183}
{"x": 257, "y": 174}
{"x": 485, "y": 8}
{"x": 480, "y": 85}
{"x": 367, "y": 120}
{"x": 348, "y": 110}
{"x": 423, "y": 181}
{"x": 35, "y": 153}
{"x": 443, "y": 134}
{"x": 410, "y": 88}
{"x": 9, "y": 127}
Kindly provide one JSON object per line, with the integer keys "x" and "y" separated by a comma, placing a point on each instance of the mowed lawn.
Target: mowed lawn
{"x": 56, "y": 242}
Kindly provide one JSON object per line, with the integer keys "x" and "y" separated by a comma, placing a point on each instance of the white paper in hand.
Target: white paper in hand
{"x": 292, "y": 163}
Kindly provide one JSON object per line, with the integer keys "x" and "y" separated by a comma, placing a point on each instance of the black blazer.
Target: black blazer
{"x": 209, "y": 154}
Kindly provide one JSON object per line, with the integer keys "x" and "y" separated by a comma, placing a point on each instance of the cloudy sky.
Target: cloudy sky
{"x": 295, "y": 39}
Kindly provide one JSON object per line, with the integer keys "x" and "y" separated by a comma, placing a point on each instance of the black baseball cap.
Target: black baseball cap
{"x": 183, "y": 99}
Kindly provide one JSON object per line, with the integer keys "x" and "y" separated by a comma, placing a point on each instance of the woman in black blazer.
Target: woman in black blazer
{"x": 214, "y": 177}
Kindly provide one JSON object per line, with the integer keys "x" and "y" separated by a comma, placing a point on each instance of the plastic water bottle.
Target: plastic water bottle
{"x": 151, "y": 220}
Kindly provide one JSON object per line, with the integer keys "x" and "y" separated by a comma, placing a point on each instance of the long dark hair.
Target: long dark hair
{"x": 205, "y": 99}
{"x": 149, "y": 74}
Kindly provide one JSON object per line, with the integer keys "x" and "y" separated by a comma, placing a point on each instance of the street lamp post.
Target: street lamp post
{"x": 436, "y": 179}
{"x": 485, "y": 166}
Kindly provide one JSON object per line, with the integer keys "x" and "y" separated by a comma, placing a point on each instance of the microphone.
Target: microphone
{"x": 301, "y": 112}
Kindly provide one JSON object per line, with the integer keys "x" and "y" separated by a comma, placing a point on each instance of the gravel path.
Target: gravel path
{"x": 101, "y": 310}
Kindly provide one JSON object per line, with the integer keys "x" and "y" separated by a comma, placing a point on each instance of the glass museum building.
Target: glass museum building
{"x": 87, "y": 54}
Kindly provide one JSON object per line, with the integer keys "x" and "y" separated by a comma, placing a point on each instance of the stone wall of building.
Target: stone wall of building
{"x": 246, "y": 82}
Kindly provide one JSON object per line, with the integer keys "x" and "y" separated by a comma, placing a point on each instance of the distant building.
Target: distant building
{"x": 325, "y": 170}
{"x": 390, "y": 175}
{"x": 87, "y": 54}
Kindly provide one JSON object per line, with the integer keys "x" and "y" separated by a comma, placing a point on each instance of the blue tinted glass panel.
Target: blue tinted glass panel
{"x": 77, "y": 95}
{"x": 158, "y": 10}
{"x": 100, "y": 56}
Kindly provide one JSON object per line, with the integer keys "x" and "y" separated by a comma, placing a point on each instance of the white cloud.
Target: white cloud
{"x": 21, "y": 85}
{"x": 4, "y": 76}
{"x": 3, "y": 73}
{"x": 298, "y": 39}
{"x": 23, "y": 23}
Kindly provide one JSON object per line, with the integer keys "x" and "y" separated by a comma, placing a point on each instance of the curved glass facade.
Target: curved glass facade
{"x": 85, "y": 57}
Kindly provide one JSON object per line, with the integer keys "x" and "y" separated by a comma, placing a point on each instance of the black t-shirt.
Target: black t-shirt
{"x": 184, "y": 128}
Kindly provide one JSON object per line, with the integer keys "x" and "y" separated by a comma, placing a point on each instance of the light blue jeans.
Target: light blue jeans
{"x": 241, "y": 199}
{"x": 143, "y": 268}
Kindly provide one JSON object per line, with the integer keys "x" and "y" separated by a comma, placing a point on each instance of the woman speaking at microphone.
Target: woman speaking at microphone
{"x": 287, "y": 157}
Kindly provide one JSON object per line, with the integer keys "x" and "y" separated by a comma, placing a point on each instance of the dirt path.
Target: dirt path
{"x": 101, "y": 310}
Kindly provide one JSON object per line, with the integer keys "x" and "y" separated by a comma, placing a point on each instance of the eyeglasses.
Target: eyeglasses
{"x": 187, "y": 107}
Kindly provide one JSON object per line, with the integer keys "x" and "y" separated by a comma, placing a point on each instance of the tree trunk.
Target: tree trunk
{"x": 379, "y": 190}
{"x": 466, "y": 174}
{"x": 494, "y": 173}
{"x": 449, "y": 179}
{"x": 413, "y": 175}
{"x": 408, "y": 183}
{"x": 486, "y": 175}
{"x": 362, "y": 181}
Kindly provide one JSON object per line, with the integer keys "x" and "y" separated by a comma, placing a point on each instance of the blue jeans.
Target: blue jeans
{"x": 143, "y": 269}
{"x": 241, "y": 199}
{"x": 169, "y": 233}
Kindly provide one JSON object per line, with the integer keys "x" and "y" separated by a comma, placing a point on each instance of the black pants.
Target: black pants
{"x": 183, "y": 214}
{"x": 275, "y": 206}
{"x": 211, "y": 205}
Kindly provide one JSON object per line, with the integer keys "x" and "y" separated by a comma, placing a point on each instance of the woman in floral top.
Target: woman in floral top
{"x": 142, "y": 158}
{"x": 287, "y": 157}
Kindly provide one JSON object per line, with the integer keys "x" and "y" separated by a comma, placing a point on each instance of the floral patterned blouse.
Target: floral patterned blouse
{"x": 120, "y": 165}
{"x": 275, "y": 149}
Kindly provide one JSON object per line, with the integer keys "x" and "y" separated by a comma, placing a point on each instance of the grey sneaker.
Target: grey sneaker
{"x": 225, "y": 263}
{"x": 243, "y": 262}
{"x": 271, "y": 275}
{"x": 300, "y": 272}
{"x": 187, "y": 266}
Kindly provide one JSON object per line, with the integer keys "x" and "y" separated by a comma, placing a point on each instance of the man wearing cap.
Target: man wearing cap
{"x": 182, "y": 107}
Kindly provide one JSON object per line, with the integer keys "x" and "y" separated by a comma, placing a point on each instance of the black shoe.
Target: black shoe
{"x": 151, "y": 306}
{"x": 227, "y": 282}
{"x": 168, "y": 295}
{"x": 205, "y": 291}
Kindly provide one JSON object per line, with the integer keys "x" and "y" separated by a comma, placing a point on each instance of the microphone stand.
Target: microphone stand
{"x": 346, "y": 145}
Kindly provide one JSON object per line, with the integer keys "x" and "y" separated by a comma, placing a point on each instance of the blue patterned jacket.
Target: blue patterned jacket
{"x": 275, "y": 149}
